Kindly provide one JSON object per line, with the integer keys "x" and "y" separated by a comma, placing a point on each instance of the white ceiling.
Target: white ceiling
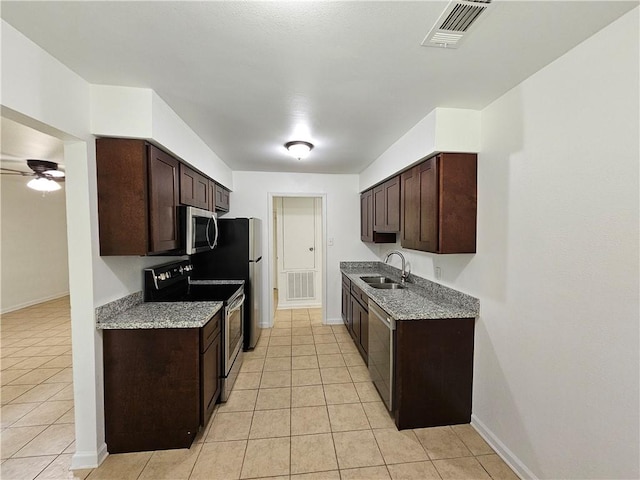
{"x": 350, "y": 77}
{"x": 18, "y": 143}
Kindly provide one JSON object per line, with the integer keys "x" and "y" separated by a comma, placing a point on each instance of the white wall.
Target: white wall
{"x": 42, "y": 93}
{"x": 140, "y": 113}
{"x": 34, "y": 245}
{"x": 250, "y": 199}
{"x": 442, "y": 130}
{"x": 557, "y": 357}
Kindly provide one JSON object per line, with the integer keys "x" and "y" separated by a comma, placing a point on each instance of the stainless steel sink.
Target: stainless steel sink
{"x": 387, "y": 286}
{"x": 375, "y": 280}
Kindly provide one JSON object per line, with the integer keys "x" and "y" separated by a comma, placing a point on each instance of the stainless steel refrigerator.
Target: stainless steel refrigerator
{"x": 238, "y": 256}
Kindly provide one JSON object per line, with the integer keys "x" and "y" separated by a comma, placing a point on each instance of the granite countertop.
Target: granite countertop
{"x": 421, "y": 299}
{"x": 161, "y": 315}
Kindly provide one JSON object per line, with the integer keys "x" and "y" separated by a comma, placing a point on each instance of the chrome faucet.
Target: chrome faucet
{"x": 404, "y": 275}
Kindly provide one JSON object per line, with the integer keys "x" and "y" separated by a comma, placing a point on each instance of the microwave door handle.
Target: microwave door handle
{"x": 207, "y": 233}
{"x": 215, "y": 223}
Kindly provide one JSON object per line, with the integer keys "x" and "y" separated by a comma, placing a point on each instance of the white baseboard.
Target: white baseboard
{"x": 82, "y": 460}
{"x": 290, "y": 306}
{"x": 334, "y": 321}
{"x": 13, "y": 308}
{"x": 501, "y": 449}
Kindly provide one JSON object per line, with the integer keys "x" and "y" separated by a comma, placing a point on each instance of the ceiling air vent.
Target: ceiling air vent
{"x": 454, "y": 23}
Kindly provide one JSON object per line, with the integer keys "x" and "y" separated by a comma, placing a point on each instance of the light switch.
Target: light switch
{"x": 330, "y": 242}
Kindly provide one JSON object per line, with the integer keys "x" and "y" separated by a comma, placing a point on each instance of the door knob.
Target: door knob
{"x": 311, "y": 249}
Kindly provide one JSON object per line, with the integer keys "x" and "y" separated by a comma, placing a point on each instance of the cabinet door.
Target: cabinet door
{"x": 346, "y": 304}
{"x": 355, "y": 319}
{"x": 212, "y": 195}
{"x": 163, "y": 201}
{"x": 194, "y": 188}
{"x": 222, "y": 198}
{"x": 366, "y": 216}
{"x": 419, "y": 207}
{"x": 379, "y": 209}
{"x": 392, "y": 205}
{"x": 208, "y": 382}
{"x": 364, "y": 330}
{"x": 386, "y": 206}
{"x": 217, "y": 366}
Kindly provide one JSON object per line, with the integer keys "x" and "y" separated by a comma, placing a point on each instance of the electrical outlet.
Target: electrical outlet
{"x": 438, "y": 273}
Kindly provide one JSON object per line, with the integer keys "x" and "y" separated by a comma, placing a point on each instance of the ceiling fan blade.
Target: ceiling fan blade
{"x": 10, "y": 171}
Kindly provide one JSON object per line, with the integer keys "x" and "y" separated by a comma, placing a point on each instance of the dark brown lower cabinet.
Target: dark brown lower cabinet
{"x": 433, "y": 372}
{"x": 160, "y": 385}
{"x": 359, "y": 320}
{"x": 210, "y": 371}
{"x": 346, "y": 302}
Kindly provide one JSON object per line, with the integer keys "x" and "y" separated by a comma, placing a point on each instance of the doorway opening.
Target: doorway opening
{"x": 298, "y": 256}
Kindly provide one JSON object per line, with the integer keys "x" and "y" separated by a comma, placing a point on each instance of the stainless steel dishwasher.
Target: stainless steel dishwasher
{"x": 381, "y": 327}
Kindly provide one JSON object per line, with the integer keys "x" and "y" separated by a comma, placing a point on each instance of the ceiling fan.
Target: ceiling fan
{"x": 46, "y": 173}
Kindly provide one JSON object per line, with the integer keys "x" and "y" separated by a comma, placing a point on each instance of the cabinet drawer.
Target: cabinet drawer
{"x": 360, "y": 296}
{"x": 209, "y": 332}
{"x": 346, "y": 283}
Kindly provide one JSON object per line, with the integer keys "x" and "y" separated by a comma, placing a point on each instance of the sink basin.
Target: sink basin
{"x": 376, "y": 280}
{"x": 387, "y": 286}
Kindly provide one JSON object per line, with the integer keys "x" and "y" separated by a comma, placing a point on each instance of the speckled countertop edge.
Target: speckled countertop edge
{"x": 421, "y": 299}
{"x": 118, "y": 306}
{"x": 162, "y": 315}
{"x": 131, "y": 312}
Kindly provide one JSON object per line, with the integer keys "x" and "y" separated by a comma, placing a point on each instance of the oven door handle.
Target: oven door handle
{"x": 236, "y": 305}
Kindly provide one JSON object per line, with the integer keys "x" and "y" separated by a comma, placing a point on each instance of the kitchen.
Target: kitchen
{"x": 529, "y": 256}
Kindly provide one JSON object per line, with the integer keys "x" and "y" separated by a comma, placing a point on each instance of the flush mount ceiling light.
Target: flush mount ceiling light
{"x": 298, "y": 149}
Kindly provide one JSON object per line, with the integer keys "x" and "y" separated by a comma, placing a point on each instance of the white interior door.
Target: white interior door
{"x": 299, "y": 221}
{"x": 298, "y": 233}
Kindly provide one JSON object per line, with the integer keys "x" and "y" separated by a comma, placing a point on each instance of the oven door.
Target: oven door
{"x": 232, "y": 348}
{"x": 201, "y": 230}
{"x": 234, "y": 313}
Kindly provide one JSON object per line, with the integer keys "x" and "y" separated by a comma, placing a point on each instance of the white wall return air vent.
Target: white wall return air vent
{"x": 454, "y": 23}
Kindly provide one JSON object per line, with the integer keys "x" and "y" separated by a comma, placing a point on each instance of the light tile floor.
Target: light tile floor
{"x": 37, "y": 393}
{"x": 302, "y": 408}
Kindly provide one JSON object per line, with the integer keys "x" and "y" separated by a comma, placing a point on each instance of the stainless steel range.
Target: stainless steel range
{"x": 171, "y": 282}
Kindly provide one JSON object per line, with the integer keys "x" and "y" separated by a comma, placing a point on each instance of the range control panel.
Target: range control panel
{"x": 161, "y": 276}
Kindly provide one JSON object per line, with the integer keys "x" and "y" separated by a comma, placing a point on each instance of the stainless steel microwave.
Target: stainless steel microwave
{"x": 199, "y": 230}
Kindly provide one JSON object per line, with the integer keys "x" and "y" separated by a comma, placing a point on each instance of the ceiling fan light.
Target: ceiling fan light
{"x": 54, "y": 173}
{"x": 43, "y": 185}
{"x": 299, "y": 149}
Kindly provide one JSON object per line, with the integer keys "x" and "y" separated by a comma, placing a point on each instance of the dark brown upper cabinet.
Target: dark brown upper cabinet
{"x": 138, "y": 193}
{"x": 438, "y": 204}
{"x": 221, "y": 199}
{"x": 367, "y": 233}
{"x": 386, "y": 206}
{"x": 218, "y": 198}
{"x": 194, "y": 188}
